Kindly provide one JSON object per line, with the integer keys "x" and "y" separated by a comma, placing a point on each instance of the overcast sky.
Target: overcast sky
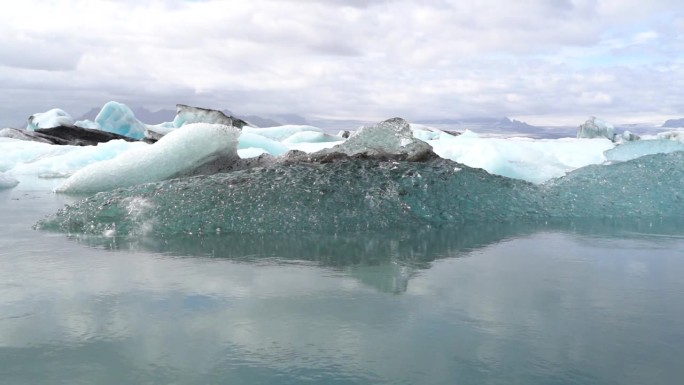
{"x": 543, "y": 61}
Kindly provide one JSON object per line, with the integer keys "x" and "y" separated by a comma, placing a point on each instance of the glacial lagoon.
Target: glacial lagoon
{"x": 587, "y": 302}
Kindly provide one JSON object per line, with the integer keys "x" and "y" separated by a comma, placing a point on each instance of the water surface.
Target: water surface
{"x": 584, "y": 303}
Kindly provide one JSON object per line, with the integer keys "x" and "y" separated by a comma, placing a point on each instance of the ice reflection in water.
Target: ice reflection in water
{"x": 578, "y": 303}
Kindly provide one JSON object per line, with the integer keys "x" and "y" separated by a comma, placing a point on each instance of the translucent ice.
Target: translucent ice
{"x": 280, "y": 133}
{"x": 392, "y": 138}
{"x": 87, "y": 124}
{"x": 176, "y": 154}
{"x": 310, "y": 137}
{"x": 248, "y": 139}
{"x": 66, "y": 160}
{"x": 52, "y": 118}
{"x": 36, "y": 165}
{"x": 117, "y": 118}
{"x": 361, "y": 195}
{"x": 632, "y": 150}
{"x": 341, "y": 196}
{"x": 426, "y": 133}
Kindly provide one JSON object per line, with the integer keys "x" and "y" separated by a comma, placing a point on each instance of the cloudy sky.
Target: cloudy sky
{"x": 543, "y": 61}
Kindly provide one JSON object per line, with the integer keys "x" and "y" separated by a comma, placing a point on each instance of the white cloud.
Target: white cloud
{"x": 434, "y": 58}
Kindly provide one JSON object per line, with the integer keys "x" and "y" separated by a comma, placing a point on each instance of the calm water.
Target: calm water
{"x": 575, "y": 304}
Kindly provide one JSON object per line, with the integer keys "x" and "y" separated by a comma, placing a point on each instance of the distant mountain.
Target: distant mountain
{"x": 334, "y": 126}
{"x": 90, "y": 115}
{"x": 156, "y": 117}
{"x": 165, "y": 115}
{"x": 479, "y": 121}
{"x": 290, "y": 119}
{"x": 259, "y": 121}
{"x": 674, "y": 123}
{"x": 141, "y": 113}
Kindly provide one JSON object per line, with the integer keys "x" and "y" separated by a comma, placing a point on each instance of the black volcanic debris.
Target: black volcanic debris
{"x": 78, "y": 136}
{"x": 64, "y": 135}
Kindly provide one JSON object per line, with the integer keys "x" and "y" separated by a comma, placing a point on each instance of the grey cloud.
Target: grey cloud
{"x": 39, "y": 53}
{"x": 357, "y": 60}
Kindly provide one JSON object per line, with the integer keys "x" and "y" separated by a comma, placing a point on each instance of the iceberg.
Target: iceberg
{"x": 248, "y": 139}
{"x": 47, "y": 164}
{"x": 278, "y": 140}
{"x": 351, "y": 195}
{"x": 49, "y": 119}
{"x": 179, "y": 153}
{"x": 677, "y": 135}
{"x": 646, "y": 187}
{"x": 596, "y": 128}
{"x": 119, "y": 119}
{"x": 188, "y": 114}
{"x": 533, "y": 160}
{"x": 355, "y": 195}
{"x": 192, "y": 181}
{"x": 310, "y": 137}
{"x": 87, "y": 124}
{"x": 390, "y": 139}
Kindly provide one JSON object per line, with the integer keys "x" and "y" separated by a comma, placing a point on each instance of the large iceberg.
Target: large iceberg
{"x": 177, "y": 154}
{"x": 351, "y": 195}
{"x": 354, "y": 195}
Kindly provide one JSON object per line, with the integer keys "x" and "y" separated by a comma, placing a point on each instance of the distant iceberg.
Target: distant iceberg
{"x": 49, "y": 119}
{"x": 596, "y": 128}
{"x": 118, "y": 118}
{"x": 532, "y": 160}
